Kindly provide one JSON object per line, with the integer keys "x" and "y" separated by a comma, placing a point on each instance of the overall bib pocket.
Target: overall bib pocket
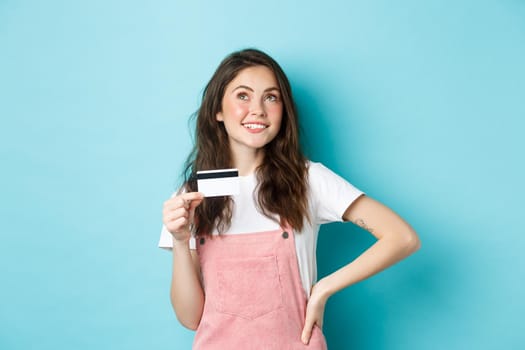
{"x": 248, "y": 287}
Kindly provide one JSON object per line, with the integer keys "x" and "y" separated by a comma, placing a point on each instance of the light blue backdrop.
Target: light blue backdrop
{"x": 418, "y": 103}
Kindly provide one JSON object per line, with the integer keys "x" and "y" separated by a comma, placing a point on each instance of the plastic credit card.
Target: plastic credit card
{"x": 221, "y": 182}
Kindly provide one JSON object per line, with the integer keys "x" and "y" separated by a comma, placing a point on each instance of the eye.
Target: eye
{"x": 242, "y": 96}
{"x": 272, "y": 98}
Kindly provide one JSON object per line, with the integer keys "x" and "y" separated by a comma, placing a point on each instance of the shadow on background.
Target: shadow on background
{"x": 408, "y": 295}
{"x": 347, "y": 318}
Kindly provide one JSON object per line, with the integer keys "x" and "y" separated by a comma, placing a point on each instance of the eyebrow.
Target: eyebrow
{"x": 249, "y": 88}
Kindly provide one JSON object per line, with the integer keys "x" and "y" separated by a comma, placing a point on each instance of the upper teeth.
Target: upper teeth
{"x": 255, "y": 126}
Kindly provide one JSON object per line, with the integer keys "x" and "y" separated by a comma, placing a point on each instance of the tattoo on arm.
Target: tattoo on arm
{"x": 361, "y": 223}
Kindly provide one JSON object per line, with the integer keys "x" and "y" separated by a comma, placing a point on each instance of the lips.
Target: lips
{"x": 255, "y": 126}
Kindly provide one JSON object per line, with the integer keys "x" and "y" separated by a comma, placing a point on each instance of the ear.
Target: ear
{"x": 219, "y": 117}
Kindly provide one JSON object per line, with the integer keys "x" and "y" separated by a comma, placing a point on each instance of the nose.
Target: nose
{"x": 257, "y": 108}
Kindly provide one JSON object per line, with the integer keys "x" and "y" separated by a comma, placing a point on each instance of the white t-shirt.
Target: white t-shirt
{"x": 329, "y": 197}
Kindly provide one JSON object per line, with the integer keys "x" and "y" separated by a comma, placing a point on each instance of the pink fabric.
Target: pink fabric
{"x": 254, "y": 297}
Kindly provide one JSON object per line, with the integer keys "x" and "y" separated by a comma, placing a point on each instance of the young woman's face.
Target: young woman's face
{"x": 251, "y": 109}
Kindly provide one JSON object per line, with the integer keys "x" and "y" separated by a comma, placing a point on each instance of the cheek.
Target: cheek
{"x": 239, "y": 111}
{"x": 276, "y": 111}
{"x": 231, "y": 109}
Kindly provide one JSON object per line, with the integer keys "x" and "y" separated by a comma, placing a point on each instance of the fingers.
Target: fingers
{"x": 307, "y": 331}
{"x": 195, "y": 203}
{"x": 191, "y": 196}
{"x": 175, "y": 214}
{"x": 185, "y": 200}
{"x": 178, "y": 212}
{"x": 314, "y": 312}
{"x": 178, "y": 226}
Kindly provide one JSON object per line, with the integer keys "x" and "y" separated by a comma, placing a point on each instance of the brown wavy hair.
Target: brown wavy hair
{"x": 282, "y": 176}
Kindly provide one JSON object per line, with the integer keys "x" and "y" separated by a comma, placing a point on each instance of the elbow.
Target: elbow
{"x": 187, "y": 317}
{"x": 188, "y": 313}
{"x": 411, "y": 243}
{"x": 189, "y": 324}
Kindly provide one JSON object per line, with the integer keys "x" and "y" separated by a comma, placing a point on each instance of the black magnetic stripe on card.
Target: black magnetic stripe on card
{"x": 217, "y": 175}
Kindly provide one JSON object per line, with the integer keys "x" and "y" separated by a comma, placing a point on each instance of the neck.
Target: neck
{"x": 247, "y": 160}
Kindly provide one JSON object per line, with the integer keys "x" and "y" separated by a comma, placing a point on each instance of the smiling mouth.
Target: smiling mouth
{"x": 255, "y": 126}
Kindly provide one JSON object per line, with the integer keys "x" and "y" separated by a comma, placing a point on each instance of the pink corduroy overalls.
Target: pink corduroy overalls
{"x": 254, "y": 296}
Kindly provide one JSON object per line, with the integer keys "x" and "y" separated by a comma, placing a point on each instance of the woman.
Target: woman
{"x": 244, "y": 268}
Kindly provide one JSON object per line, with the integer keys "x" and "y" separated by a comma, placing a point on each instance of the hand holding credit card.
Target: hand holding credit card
{"x": 221, "y": 182}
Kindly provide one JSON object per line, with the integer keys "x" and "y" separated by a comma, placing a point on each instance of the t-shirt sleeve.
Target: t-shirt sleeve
{"x": 166, "y": 239}
{"x": 331, "y": 195}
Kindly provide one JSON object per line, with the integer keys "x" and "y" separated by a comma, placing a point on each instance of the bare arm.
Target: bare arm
{"x": 395, "y": 241}
{"x": 186, "y": 293}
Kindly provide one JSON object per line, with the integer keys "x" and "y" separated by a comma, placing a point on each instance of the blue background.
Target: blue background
{"x": 418, "y": 103}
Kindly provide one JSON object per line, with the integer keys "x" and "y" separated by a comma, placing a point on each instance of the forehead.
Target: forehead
{"x": 256, "y": 76}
